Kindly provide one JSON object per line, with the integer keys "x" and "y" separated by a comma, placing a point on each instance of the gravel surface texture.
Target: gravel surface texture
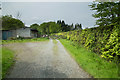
{"x": 46, "y": 59}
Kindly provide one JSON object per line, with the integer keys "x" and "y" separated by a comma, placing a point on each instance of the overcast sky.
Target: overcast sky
{"x": 47, "y": 0}
{"x": 39, "y": 12}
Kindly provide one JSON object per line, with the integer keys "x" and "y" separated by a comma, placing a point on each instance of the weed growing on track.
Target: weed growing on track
{"x": 91, "y": 62}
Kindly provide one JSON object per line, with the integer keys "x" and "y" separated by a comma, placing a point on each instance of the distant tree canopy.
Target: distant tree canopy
{"x": 53, "y": 27}
{"x": 106, "y": 12}
{"x": 78, "y": 26}
{"x": 49, "y": 27}
{"x": 66, "y": 27}
{"x": 9, "y": 23}
{"x": 34, "y": 26}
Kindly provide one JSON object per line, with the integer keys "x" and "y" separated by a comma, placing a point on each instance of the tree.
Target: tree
{"x": 9, "y": 23}
{"x": 53, "y": 27}
{"x": 71, "y": 26}
{"x": 34, "y": 26}
{"x": 59, "y": 22}
{"x": 78, "y": 26}
{"x": 42, "y": 28}
{"x": 63, "y": 26}
{"x": 106, "y": 12}
{"x": 49, "y": 27}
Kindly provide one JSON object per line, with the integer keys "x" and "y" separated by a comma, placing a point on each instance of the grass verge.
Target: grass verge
{"x": 91, "y": 62}
{"x": 0, "y": 63}
{"x": 24, "y": 40}
{"x": 8, "y": 55}
{"x": 7, "y": 60}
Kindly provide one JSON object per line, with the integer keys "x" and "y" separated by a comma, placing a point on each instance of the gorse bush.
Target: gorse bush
{"x": 103, "y": 40}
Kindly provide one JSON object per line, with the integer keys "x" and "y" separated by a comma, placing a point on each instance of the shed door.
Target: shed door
{"x": 6, "y": 35}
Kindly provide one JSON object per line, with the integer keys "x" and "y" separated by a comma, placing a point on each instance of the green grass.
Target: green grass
{"x": 91, "y": 62}
{"x": 7, "y": 60}
{"x": 0, "y": 63}
{"x": 24, "y": 40}
{"x": 8, "y": 55}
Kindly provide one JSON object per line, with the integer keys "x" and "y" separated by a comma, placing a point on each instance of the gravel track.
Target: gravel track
{"x": 44, "y": 59}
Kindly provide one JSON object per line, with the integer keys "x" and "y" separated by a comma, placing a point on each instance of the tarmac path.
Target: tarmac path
{"x": 45, "y": 59}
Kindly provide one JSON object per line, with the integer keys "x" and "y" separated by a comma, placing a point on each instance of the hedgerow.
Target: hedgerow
{"x": 103, "y": 40}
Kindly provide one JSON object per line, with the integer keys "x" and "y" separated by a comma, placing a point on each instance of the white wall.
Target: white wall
{"x": 23, "y": 32}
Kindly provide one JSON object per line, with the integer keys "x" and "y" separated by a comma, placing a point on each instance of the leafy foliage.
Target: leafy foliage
{"x": 106, "y": 12}
{"x": 53, "y": 27}
{"x": 9, "y": 23}
{"x": 34, "y": 26}
{"x": 112, "y": 48}
{"x": 102, "y": 40}
{"x": 49, "y": 27}
{"x": 78, "y": 26}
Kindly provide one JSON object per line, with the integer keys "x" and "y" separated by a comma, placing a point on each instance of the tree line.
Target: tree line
{"x": 10, "y": 23}
{"x": 55, "y": 27}
{"x": 107, "y": 13}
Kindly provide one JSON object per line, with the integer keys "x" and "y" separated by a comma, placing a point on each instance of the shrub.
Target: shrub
{"x": 104, "y": 40}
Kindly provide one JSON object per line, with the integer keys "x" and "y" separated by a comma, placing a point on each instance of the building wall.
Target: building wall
{"x": 34, "y": 34}
{"x": 14, "y": 34}
{"x": 23, "y": 32}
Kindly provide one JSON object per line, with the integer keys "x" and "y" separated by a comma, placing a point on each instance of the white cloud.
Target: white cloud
{"x": 47, "y": 0}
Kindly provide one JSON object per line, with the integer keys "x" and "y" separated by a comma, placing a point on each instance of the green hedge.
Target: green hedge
{"x": 102, "y": 40}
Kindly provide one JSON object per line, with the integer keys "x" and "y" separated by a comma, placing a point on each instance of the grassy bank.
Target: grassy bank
{"x": 7, "y": 60}
{"x": 91, "y": 62}
{"x": 0, "y": 63}
{"x": 24, "y": 40}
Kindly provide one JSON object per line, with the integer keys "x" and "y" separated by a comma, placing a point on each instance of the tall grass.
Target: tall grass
{"x": 7, "y": 60}
{"x": 91, "y": 62}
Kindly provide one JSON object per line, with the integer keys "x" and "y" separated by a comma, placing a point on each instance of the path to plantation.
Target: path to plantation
{"x": 47, "y": 59}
